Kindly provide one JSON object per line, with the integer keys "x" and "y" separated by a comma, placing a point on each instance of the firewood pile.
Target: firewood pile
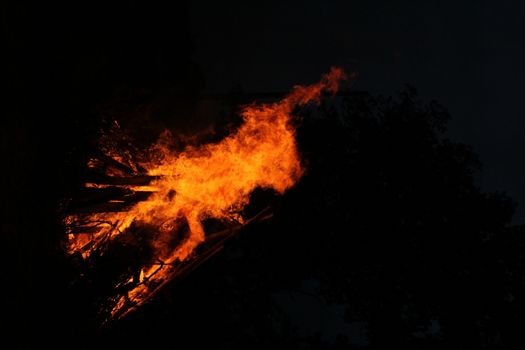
{"x": 112, "y": 263}
{"x": 148, "y": 216}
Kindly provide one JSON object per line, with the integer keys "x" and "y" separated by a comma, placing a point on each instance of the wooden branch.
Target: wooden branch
{"x": 137, "y": 180}
{"x": 112, "y": 163}
{"x": 123, "y": 204}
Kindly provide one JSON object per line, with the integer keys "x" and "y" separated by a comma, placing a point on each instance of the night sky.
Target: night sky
{"x": 423, "y": 256}
{"x": 468, "y": 55}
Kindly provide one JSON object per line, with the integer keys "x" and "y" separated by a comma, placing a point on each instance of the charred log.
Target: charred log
{"x": 123, "y": 203}
{"x": 136, "y": 180}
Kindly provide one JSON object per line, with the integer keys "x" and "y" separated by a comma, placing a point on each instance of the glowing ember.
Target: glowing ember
{"x": 210, "y": 181}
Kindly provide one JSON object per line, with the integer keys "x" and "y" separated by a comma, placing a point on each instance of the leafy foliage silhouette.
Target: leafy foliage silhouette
{"x": 388, "y": 220}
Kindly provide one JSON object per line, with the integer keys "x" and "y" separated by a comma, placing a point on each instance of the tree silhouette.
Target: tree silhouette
{"x": 387, "y": 220}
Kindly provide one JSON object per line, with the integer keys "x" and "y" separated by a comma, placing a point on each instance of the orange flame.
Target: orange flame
{"x": 211, "y": 181}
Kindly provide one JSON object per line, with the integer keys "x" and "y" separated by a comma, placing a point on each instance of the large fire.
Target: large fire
{"x": 210, "y": 181}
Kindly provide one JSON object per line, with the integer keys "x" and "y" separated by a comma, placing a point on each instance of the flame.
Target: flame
{"x": 210, "y": 181}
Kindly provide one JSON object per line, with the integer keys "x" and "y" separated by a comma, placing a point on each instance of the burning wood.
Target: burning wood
{"x": 152, "y": 212}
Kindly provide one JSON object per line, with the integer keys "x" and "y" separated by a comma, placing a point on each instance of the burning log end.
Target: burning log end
{"x": 138, "y": 180}
{"x": 118, "y": 205}
{"x": 171, "y": 194}
{"x": 109, "y": 162}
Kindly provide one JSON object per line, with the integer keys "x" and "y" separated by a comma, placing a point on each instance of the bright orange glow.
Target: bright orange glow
{"x": 210, "y": 181}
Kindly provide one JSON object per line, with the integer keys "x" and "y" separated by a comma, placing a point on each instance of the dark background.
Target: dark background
{"x": 467, "y": 55}
{"x": 393, "y": 238}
